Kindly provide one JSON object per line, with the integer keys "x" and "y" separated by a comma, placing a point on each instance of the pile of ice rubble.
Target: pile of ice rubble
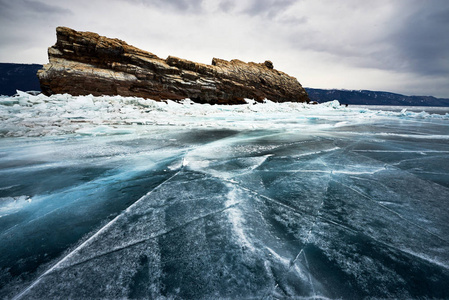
{"x": 39, "y": 115}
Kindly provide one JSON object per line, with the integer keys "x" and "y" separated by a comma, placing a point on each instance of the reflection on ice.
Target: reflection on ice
{"x": 258, "y": 201}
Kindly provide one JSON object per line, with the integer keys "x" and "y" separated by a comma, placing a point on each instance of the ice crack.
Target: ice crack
{"x": 90, "y": 240}
{"x": 392, "y": 211}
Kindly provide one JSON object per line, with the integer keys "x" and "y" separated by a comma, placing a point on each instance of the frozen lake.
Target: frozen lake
{"x": 109, "y": 197}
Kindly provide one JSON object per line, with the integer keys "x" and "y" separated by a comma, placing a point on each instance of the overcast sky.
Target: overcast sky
{"x": 391, "y": 45}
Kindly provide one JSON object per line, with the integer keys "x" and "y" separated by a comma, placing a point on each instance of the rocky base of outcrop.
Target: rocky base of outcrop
{"x": 83, "y": 63}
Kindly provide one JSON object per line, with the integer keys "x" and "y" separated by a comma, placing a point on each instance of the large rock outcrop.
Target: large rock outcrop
{"x": 84, "y": 63}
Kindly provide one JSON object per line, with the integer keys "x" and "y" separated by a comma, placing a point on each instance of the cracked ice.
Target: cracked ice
{"x": 110, "y": 197}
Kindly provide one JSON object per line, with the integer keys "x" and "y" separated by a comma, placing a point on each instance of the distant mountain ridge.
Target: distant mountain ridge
{"x": 364, "y": 97}
{"x": 23, "y": 77}
{"x": 18, "y": 77}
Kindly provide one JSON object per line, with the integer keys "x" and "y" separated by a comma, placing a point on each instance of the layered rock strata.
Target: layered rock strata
{"x": 83, "y": 63}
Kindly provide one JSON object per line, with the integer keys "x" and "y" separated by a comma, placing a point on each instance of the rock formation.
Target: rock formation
{"x": 83, "y": 63}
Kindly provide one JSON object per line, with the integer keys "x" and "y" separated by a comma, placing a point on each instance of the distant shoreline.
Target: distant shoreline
{"x": 23, "y": 77}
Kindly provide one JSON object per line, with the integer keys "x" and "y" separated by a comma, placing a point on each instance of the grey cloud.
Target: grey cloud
{"x": 268, "y": 8}
{"x": 6, "y": 10}
{"x": 40, "y": 7}
{"x": 227, "y": 5}
{"x": 410, "y": 38}
{"x": 415, "y": 41}
{"x": 25, "y": 25}
{"x": 178, "y": 6}
{"x": 263, "y": 8}
{"x": 422, "y": 40}
{"x": 14, "y": 9}
{"x": 441, "y": 16}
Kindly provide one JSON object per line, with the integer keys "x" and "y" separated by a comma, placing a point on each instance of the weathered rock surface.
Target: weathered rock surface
{"x": 83, "y": 63}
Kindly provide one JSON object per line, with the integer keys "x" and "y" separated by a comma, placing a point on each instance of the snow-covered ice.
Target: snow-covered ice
{"x": 112, "y": 197}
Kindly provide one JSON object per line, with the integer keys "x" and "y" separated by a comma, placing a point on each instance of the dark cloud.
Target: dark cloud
{"x": 7, "y": 9}
{"x": 413, "y": 39}
{"x": 422, "y": 40}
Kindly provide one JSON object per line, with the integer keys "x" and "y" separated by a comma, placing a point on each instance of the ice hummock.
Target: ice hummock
{"x": 40, "y": 115}
{"x": 133, "y": 198}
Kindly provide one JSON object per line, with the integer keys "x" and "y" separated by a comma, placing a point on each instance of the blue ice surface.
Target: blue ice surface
{"x": 338, "y": 209}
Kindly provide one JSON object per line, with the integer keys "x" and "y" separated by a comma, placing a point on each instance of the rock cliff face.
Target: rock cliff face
{"x": 84, "y": 63}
